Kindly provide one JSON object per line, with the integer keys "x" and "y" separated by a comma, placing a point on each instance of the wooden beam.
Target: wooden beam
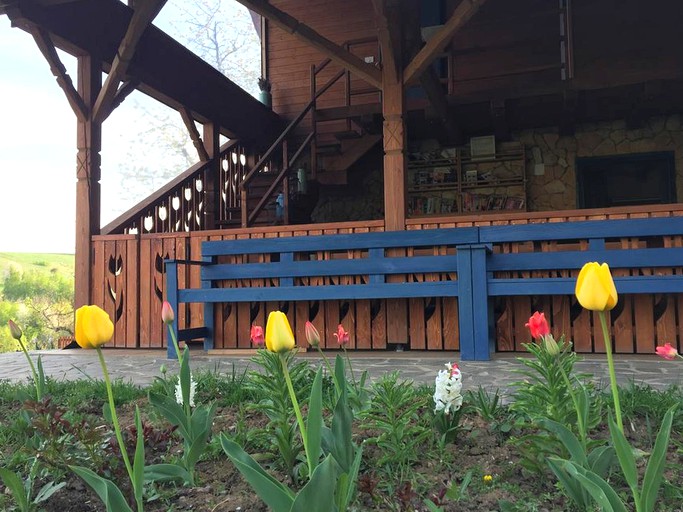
{"x": 289, "y": 24}
{"x": 47, "y": 48}
{"x": 194, "y": 135}
{"x": 211, "y": 174}
{"x": 390, "y": 42}
{"x": 437, "y": 97}
{"x": 144, "y": 13}
{"x": 438, "y": 42}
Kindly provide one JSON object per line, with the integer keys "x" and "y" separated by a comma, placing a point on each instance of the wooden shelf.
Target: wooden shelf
{"x": 450, "y": 181}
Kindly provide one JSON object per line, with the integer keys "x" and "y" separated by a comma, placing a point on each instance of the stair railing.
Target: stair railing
{"x": 248, "y": 217}
{"x": 181, "y": 204}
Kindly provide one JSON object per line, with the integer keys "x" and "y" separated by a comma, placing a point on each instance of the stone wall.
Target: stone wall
{"x": 551, "y": 174}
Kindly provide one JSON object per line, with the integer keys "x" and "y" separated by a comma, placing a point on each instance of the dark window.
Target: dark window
{"x": 643, "y": 178}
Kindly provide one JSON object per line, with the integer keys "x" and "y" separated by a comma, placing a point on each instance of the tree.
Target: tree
{"x": 220, "y": 32}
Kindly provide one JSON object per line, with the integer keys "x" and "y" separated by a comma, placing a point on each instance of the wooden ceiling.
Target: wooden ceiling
{"x": 161, "y": 66}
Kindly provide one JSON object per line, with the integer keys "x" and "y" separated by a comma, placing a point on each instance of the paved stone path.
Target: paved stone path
{"x": 141, "y": 366}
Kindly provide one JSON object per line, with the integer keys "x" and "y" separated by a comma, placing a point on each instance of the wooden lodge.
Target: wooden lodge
{"x": 515, "y": 140}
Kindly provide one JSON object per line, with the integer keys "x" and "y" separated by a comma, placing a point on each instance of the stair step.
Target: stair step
{"x": 329, "y": 149}
{"x": 347, "y": 134}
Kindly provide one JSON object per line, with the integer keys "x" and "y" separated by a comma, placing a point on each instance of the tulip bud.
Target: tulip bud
{"x": 163, "y": 369}
{"x": 167, "y": 315}
{"x": 595, "y": 288}
{"x": 550, "y": 345}
{"x": 312, "y": 335}
{"x": 15, "y": 330}
{"x": 279, "y": 337}
{"x": 667, "y": 352}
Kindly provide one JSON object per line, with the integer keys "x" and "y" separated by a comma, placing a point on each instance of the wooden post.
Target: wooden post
{"x": 211, "y": 138}
{"x": 393, "y": 110}
{"x": 89, "y": 143}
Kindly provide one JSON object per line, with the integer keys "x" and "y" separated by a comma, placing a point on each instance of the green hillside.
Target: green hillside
{"x": 63, "y": 264}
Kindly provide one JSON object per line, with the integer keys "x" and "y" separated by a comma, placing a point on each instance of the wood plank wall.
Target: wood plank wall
{"x": 130, "y": 286}
{"x": 290, "y": 58}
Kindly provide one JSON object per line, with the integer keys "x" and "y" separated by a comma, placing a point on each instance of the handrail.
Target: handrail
{"x": 134, "y": 217}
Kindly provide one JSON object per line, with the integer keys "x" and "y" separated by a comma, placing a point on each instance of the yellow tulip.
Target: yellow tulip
{"x": 94, "y": 328}
{"x": 279, "y": 336}
{"x": 595, "y": 288}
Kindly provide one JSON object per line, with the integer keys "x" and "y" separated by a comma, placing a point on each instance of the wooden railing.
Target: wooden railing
{"x": 181, "y": 204}
{"x": 129, "y": 284}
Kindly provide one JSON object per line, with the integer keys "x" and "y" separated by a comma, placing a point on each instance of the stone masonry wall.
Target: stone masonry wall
{"x": 551, "y": 176}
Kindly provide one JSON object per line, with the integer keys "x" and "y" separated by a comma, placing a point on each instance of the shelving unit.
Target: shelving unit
{"x": 451, "y": 180}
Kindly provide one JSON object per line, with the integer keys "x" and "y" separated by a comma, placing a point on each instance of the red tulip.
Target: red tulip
{"x": 538, "y": 326}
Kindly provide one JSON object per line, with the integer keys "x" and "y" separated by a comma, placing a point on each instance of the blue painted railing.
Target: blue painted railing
{"x": 476, "y": 259}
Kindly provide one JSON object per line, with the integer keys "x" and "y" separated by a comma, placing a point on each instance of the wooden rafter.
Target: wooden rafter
{"x": 389, "y": 40}
{"x": 430, "y": 82}
{"x": 194, "y": 135}
{"x": 438, "y": 42}
{"x": 335, "y": 52}
{"x": 144, "y": 13}
{"x": 47, "y": 48}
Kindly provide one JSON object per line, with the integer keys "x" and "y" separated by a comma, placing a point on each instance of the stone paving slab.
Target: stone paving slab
{"x": 141, "y": 366}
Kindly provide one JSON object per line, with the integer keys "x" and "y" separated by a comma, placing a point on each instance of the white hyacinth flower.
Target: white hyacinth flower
{"x": 179, "y": 392}
{"x": 448, "y": 385}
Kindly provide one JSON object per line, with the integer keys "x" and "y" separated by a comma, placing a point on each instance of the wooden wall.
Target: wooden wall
{"x": 290, "y": 58}
{"x": 130, "y": 287}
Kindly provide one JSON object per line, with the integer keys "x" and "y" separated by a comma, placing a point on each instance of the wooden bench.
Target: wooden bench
{"x": 378, "y": 274}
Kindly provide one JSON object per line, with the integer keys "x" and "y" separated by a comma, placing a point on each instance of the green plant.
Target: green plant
{"x": 37, "y": 369}
{"x": 394, "y": 412}
{"x": 450, "y": 492}
{"x": 22, "y": 491}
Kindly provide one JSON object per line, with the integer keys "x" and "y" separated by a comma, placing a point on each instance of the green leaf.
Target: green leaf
{"x": 16, "y": 487}
{"x": 106, "y": 412}
{"x": 569, "y": 440}
{"x": 166, "y": 472}
{"x": 571, "y": 485}
{"x": 342, "y": 442}
{"x": 340, "y": 374}
{"x": 273, "y": 493}
{"x": 352, "y": 480}
{"x": 110, "y": 495}
{"x": 315, "y": 420}
{"x": 185, "y": 376}
{"x": 318, "y": 493}
{"x": 40, "y": 385}
{"x": 139, "y": 460}
{"x": 655, "y": 465}
{"x": 600, "y": 460}
{"x": 172, "y": 411}
{"x": 47, "y": 490}
{"x": 602, "y": 492}
{"x": 625, "y": 455}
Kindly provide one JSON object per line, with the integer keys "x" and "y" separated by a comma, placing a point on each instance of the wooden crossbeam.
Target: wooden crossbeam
{"x": 389, "y": 39}
{"x": 47, "y": 48}
{"x": 281, "y": 19}
{"x": 194, "y": 135}
{"x": 462, "y": 14}
{"x": 430, "y": 82}
{"x": 144, "y": 13}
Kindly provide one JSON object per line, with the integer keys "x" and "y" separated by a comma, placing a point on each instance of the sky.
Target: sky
{"x": 38, "y": 147}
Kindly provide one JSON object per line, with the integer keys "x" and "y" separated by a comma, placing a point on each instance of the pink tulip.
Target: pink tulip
{"x": 342, "y": 336}
{"x": 312, "y": 335}
{"x": 167, "y": 315}
{"x": 667, "y": 352}
{"x": 257, "y": 335}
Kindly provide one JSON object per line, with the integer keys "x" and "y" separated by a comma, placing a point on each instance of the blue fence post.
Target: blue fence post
{"x": 475, "y": 315}
{"x": 172, "y": 298}
{"x": 208, "y": 310}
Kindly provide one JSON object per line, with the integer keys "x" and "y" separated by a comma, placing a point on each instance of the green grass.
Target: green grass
{"x": 42, "y": 262}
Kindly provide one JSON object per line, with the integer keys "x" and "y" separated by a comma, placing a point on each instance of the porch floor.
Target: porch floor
{"x": 141, "y": 366}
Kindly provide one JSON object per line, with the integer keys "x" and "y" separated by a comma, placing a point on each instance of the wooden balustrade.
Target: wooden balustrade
{"x": 129, "y": 284}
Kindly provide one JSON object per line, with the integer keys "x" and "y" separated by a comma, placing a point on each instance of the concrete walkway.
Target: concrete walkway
{"x": 140, "y": 366}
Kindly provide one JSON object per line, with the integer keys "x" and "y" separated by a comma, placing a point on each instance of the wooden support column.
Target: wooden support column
{"x": 211, "y": 138}
{"x": 393, "y": 111}
{"x": 89, "y": 142}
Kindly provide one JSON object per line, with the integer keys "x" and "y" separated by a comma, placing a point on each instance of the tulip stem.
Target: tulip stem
{"x": 353, "y": 376}
{"x": 38, "y": 386}
{"x": 612, "y": 373}
{"x": 178, "y": 354}
{"x": 297, "y": 411}
{"x": 329, "y": 370}
{"x": 117, "y": 428}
